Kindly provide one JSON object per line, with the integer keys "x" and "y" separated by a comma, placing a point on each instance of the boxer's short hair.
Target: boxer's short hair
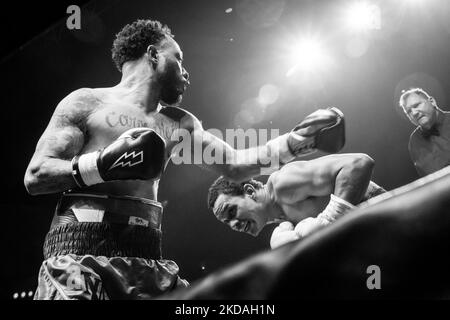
{"x": 224, "y": 186}
{"x": 132, "y": 41}
{"x": 406, "y": 93}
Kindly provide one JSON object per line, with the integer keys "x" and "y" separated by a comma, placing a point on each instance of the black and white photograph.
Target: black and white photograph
{"x": 225, "y": 155}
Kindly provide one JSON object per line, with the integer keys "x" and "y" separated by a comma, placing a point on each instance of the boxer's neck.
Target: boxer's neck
{"x": 139, "y": 86}
{"x": 273, "y": 211}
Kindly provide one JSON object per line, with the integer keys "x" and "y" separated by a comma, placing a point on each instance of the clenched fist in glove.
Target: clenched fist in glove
{"x": 283, "y": 234}
{"x": 138, "y": 154}
{"x": 322, "y": 130}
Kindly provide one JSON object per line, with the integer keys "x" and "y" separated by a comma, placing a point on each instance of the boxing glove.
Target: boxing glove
{"x": 322, "y": 130}
{"x": 309, "y": 225}
{"x": 282, "y": 234}
{"x": 138, "y": 154}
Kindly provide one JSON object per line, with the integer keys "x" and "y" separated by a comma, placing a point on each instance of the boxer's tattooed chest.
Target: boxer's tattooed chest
{"x": 117, "y": 119}
{"x": 112, "y": 123}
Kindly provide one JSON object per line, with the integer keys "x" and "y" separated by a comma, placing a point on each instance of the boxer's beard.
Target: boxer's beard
{"x": 171, "y": 93}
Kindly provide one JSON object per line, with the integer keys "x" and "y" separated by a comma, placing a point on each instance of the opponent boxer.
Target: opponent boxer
{"x": 372, "y": 253}
{"x": 326, "y": 187}
{"x": 429, "y": 145}
{"x": 105, "y": 149}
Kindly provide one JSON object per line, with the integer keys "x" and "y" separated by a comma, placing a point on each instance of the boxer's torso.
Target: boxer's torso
{"x": 310, "y": 207}
{"x": 107, "y": 121}
{"x": 116, "y": 218}
{"x": 296, "y": 196}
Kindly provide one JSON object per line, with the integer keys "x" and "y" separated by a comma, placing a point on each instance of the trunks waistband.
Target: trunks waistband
{"x": 103, "y": 239}
{"x": 81, "y": 207}
{"x": 104, "y": 225}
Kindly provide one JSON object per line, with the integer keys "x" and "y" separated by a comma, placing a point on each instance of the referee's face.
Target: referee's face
{"x": 420, "y": 110}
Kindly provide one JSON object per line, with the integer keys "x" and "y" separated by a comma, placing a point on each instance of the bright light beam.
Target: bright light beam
{"x": 363, "y": 16}
{"x": 307, "y": 56}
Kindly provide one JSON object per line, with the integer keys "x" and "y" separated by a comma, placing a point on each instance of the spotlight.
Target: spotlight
{"x": 15, "y": 296}
{"x": 363, "y": 16}
{"x": 307, "y": 56}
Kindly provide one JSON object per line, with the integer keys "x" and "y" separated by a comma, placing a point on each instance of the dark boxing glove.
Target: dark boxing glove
{"x": 325, "y": 130}
{"x": 322, "y": 130}
{"x": 138, "y": 154}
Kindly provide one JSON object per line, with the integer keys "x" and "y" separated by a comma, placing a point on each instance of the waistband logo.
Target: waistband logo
{"x": 136, "y": 221}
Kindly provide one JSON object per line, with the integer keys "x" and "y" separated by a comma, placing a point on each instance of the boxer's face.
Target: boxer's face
{"x": 420, "y": 110}
{"x": 241, "y": 213}
{"x": 172, "y": 75}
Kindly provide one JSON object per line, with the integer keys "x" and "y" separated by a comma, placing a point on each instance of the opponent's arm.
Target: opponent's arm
{"x": 344, "y": 175}
{"x": 353, "y": 178}
{"x": 50, "y": 170}
{"x": 322, "y": 130}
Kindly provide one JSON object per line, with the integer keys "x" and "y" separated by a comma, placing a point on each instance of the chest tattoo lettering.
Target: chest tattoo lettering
{"x": 114, "y": 119}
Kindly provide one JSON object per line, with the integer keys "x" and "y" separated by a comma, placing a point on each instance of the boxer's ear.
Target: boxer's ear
{"x": 250, "y": 190}
{"x": 152, "y": 54}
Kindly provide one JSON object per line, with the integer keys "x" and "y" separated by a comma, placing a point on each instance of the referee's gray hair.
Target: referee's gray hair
{"x": 406, "y": 93}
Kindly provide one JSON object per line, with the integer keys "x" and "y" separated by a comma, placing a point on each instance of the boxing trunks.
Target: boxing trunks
{"x": 103, "y": 247}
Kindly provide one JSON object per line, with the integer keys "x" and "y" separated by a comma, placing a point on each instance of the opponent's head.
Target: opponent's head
{"x": 239, "y": 205}
{"x": 419, "y": 107}
{"x": 152, "y": 43}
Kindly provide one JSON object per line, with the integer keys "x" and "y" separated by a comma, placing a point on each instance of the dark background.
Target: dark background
{"x": 42, "y": 61}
